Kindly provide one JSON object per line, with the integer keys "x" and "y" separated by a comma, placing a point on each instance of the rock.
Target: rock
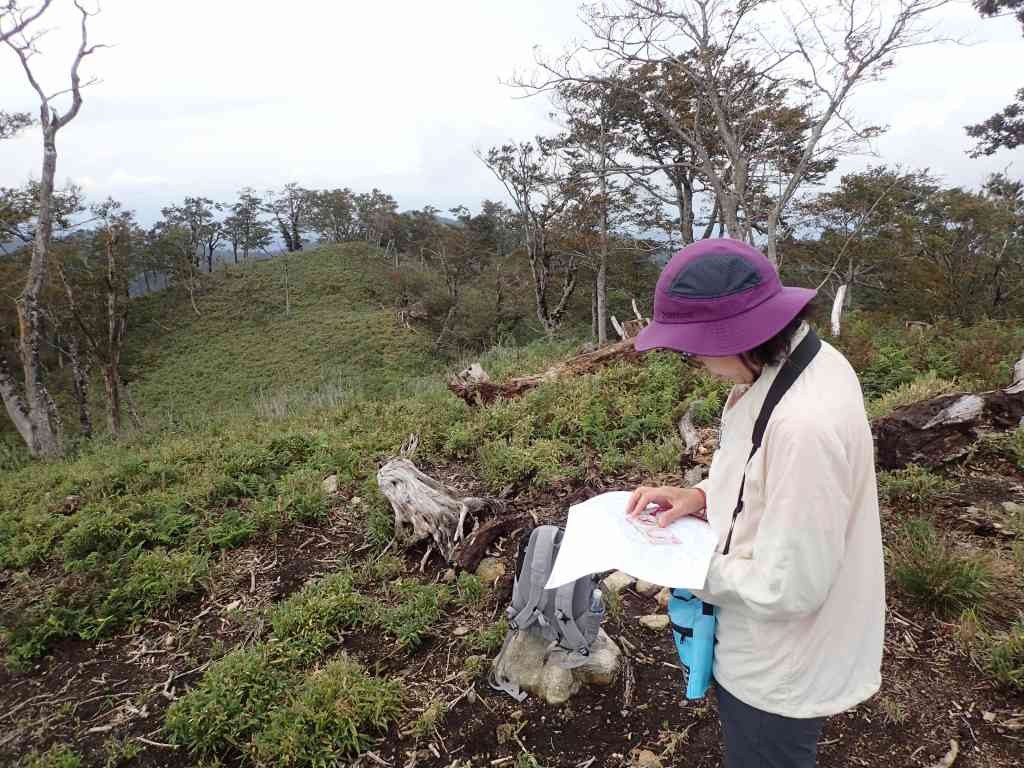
{"x": 663, "y": 596}
{"x": 460, "y": 631}
{"x": 616, "y": 582}
{"x": 644, "y": 758}
{"x": 645, "y": 588}
{"x": 988, "y": 717}
{"x": 656, "y": 622}
{"x": 603, "y": 665}
{"x": 1013, "y": 508}
{"x": 330, "y": 485}
{"x": 490, "y": 570}
{"x": 524, "y": 664}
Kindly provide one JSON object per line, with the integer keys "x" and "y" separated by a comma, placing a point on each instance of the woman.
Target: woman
{"x": 799, "y": 585}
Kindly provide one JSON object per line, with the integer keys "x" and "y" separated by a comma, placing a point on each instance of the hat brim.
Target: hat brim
{"x": 731, "y": 336}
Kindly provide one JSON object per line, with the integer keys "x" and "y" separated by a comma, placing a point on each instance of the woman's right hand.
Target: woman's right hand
{"x": 672, "y": 503}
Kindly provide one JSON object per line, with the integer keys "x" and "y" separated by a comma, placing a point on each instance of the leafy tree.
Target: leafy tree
{"x": 533, "y": 175}
{"x": 817, "y": 56}
{"x": 1005, "y": 129}
{"x": 13, "y": 122}
{"x": 291, "y": 209}
{"x": 333, "y": 215}
{"x": 19, "y": 211}
{"x": 245, "y": 228}
{"x": 376, "y": 214}
{"x": 95, "y": 273}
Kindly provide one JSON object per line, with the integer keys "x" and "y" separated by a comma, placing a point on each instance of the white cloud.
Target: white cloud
{"x": 205, "y": 97}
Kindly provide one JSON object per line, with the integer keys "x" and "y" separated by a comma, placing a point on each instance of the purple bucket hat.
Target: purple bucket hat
{"x": 719, "y": 297}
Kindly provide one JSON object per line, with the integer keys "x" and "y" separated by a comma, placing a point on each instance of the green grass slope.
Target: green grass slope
{"x": 339, "y": 334}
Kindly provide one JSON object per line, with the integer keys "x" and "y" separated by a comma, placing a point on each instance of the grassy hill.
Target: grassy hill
{"x": 195, "y": 586}
{"x": 339, "y": 334}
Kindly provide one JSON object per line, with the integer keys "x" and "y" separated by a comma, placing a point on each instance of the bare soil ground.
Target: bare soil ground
{"x": 88, "y": 694}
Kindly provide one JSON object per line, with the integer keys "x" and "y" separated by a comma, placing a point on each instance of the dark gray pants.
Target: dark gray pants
{"x": 757, "y": 739}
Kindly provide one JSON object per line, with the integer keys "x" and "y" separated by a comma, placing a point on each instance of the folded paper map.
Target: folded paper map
{"x": 600, "y": 537}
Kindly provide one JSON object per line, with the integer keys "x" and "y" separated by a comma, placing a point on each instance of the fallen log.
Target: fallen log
{"x": 470, "y": 552}
{"x": 934, "y": 432}
{"x": 475, "y": 387}
{"x": 428, "y": 510}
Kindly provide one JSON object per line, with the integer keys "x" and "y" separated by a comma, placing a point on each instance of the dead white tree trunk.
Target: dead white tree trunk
{"x": 36, "y": 404}
{"x": 427, "y": 510}
{"x": 837, "y": 310}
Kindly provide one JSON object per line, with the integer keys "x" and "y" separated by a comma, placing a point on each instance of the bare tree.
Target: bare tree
{"x": 32, "y": 409}
{"x": 821, "y": 54}
{"x": 14, "y": 19}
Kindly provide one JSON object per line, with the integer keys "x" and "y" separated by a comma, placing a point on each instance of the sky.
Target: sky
{"x": 203, "y": 97}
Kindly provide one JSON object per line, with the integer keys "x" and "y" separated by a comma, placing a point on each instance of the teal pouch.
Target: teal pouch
{"x": 693, "y": 628}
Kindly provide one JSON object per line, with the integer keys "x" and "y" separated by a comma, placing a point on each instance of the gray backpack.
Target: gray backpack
{"x": 568, "y": 617}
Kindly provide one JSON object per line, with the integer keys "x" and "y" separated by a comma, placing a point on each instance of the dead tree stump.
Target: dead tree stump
{"x": 427, "y": 510}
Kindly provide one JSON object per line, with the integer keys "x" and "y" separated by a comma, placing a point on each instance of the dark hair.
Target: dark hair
{"x": 774, "y": 351}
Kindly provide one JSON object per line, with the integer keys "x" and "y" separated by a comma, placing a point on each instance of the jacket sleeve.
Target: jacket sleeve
{"x": 800, "y": 541}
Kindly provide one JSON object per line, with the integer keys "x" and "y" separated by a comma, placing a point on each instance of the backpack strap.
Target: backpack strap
{"x": 539, "y": 555}
{"x": 500, "y": 682}
{"x": 570, "y": 635}
{"x": 789, "y": 373}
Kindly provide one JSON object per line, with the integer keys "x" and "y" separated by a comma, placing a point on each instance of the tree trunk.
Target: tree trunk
{"x": 934, "y": 432}
{"x": 113, "y": 389}
{"x": 14, "y": 403}
{"x": 46, "y": 439}
{"x": 426, "y": 509}
{"x": 80, "y": 385}
{"x": 837, "y": 310}
{"x": 479, "y": 390}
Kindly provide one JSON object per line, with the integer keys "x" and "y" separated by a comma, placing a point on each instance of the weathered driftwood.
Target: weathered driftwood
{"x": 937, "y": 431}
{"x": 475, "y": 387}
{"x": 473, "y": 548}
{"x": 426, "y": 509}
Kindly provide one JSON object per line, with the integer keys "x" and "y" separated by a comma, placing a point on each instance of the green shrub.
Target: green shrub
{"x": 57, "y": 756}
{"x": 661, "y": 456}
{"x": 889, "y": 370}
{"x": 471, "y": 590}
{"x": 232, "y": 702}
{"x": 1017, "y": 446}
{"x": 301, "y": 497}
{"x": 707, "y": 396}
{"x": 308, "y": 621}
{"x": 922, "y": 388}
{"x": 429, "y": 719}
{"x": 337, "y": 712}
{"x": 927, "y": 569}
{"x": 489, "y": 639}
{"x": 380, "y": 518}
{"x": 913, "y": 485}
{"x": 418, "y": 608}
{"x": 155, "y": 579}
{"x": 1004, "y": 656}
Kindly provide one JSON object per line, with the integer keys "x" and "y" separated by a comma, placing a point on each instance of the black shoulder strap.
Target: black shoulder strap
{"x": 790, "y": 372}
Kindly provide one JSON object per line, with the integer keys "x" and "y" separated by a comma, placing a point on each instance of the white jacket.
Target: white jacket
{"x": 801, "y": 593}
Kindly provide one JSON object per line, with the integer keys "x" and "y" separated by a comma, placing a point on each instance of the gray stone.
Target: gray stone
{"x": 646, "y": 588}
{"x": 616, "y": 582}
{"x": 1013, "y": 508}
{"x": 330, "y": 485}
{"x": 663, "y": 596}
{"x": 603, "y": 665}
{"x": 644, "y": 758}
{"x": 490, "y": 570}
{"x": 526, "y": 662}
{"x": 656, "y": 622}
